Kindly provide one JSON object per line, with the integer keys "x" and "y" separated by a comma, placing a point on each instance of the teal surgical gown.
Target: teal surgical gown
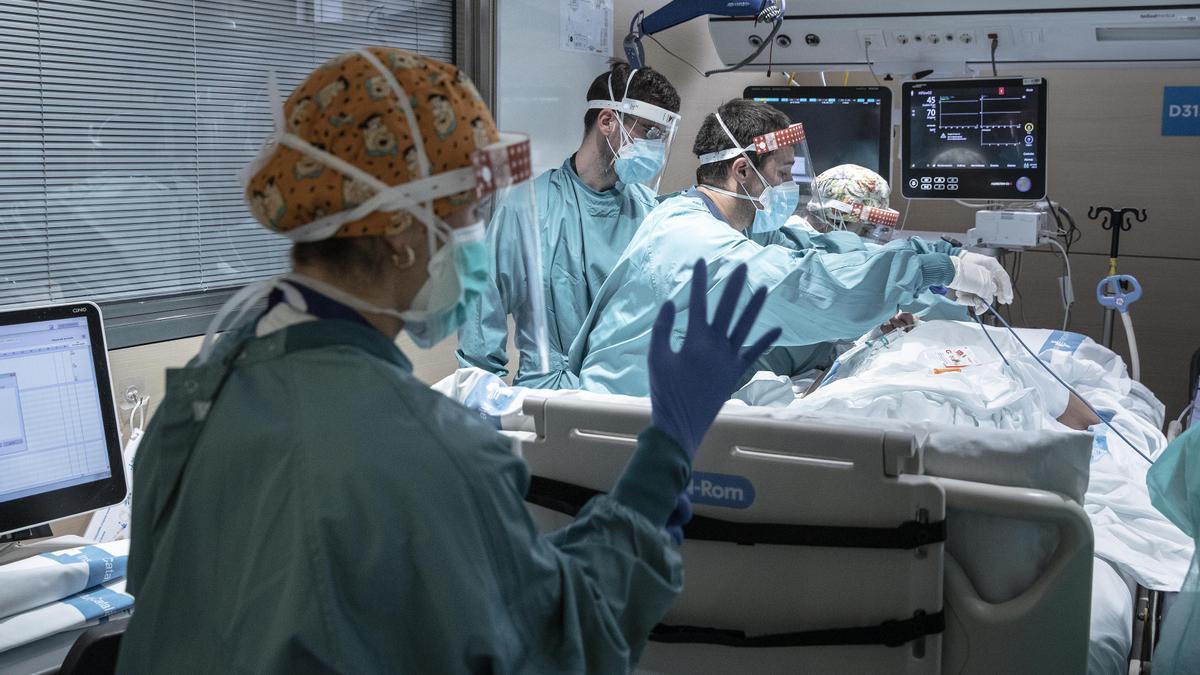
{"x": 583, "y": 233}
{"x": 792, "y": 361}
{"x": 305, "y": 505}
{"x": 813, "y": 296}
{"x": 1174, "y": 484}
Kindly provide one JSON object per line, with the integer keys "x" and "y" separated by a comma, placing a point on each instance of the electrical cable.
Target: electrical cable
{"x": 1074, "y": 234}
{"x": 761, "y": 48}
{"x": 689, "y": 63}
{"x": 1053, "y": 374}
{"x": 995, "y": 45}
{"x": 770, "y": 59}
{"x": 1054, "y": 212}
{"x": 972, "y": 205}
{"x": 1019, "y": 303}
{"x": 1187, "y": 410}
{"x": 823, "y": 82}
{"x": 871, "y": 66}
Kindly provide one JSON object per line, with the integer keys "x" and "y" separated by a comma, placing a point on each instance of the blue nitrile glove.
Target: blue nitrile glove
{"x": 689, "y": 387}
{"x": 682, "y": 515}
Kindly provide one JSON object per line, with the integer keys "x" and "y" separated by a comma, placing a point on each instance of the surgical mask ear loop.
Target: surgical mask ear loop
{"x": 626, "y": 137}
{"x": 756, "y": 201}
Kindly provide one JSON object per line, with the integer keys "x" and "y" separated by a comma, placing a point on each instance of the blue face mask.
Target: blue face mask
{"x": 778, "y": 202}
{"x": 640, "y": 160}
{"x": 457, "y": 272}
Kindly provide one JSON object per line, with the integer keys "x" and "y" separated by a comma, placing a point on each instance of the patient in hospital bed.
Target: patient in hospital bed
{"x": 948, "y": 373}
{"x": 945, "y": 372}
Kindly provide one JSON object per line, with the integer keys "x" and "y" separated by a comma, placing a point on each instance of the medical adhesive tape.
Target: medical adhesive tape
{"x": 501, "y": 167}
{"x": 779, "y": 139}
{"x": 876, "y": 216}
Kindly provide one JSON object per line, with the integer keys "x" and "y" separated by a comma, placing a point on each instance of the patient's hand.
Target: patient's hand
{"x": 1077, "y": 415}
{"x": 902, "y": 321}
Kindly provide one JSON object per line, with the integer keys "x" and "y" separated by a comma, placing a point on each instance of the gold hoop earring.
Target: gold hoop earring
{"x": 411, "y": 259}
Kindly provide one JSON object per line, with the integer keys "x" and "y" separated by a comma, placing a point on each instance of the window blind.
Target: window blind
{"x": 124, "y": 124}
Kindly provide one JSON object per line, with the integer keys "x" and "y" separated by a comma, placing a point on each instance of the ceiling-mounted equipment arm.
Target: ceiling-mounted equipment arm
{"x": 674, "y": 13}
{"x": 681, "y": 11}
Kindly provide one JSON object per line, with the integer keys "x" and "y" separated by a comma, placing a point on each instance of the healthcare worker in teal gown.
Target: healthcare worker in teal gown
{"x": 1174, "y": 484}
{"x": 306, "y": 505}
{"x": 848, "y": 202}
{"x": 813, "y": 296}
{"x": 589, "y": 209}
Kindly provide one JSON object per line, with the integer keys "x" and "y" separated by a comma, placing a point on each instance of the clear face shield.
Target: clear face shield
{"x": 778, "y": 201}
{"x": 647, "y": 134}
{"x": 459, "y": 261}
{"x": 503, "y": 173}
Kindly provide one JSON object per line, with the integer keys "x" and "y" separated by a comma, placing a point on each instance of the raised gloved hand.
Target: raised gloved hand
{"x": 689, "y": 387}
{"x": 979, "y": 279}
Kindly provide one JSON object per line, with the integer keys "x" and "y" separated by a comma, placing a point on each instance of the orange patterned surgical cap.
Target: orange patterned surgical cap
{"x": 347, "y": 107}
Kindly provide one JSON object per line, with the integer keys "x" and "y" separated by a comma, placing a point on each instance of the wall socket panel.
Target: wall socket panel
{"x": 939, "y": 37}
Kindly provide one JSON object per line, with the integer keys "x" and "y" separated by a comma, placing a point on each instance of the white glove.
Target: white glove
{"x": 979, "y": 279}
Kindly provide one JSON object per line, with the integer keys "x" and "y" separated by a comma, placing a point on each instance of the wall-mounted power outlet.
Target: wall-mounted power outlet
{"x": 870, "y": 38}
{"x": 128, "y": 391}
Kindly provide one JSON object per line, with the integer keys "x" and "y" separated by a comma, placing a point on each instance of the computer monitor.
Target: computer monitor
{"x": 844, "y": 125}
{"x": 974, "y": 139}
{"x": 60, "y": 447}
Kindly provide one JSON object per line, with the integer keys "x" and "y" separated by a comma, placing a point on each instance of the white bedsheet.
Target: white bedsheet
{"x": 897, "y": 385}
{"x": 901, "y": 381}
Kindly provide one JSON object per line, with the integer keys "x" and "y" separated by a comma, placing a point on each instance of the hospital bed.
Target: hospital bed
{"x": 821, "y": 547}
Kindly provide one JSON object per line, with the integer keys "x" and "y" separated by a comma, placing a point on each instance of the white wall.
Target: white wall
{"x": 540, "y": 87}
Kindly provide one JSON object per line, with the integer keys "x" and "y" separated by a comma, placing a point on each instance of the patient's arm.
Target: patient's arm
{"x": 1077, "y": 415}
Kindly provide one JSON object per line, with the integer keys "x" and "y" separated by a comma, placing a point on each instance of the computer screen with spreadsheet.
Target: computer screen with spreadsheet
{"x": 59, "y": 447}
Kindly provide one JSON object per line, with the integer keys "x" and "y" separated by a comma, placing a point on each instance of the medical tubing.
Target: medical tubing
{"x": 989, "y": 337}
{"x": 1067, "y": 264}
{"x": 1134, "y": 362}
{"x": 1053, "y": 374}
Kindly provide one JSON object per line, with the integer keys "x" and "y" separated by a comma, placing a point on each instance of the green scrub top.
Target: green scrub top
{"x": 305, "y": 505}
